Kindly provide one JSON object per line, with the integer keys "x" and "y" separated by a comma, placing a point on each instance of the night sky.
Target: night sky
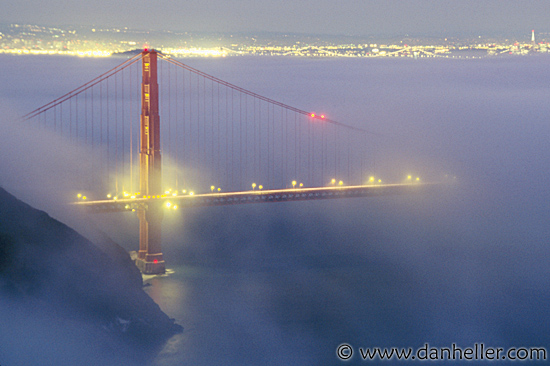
{"x": 349, "y": 17}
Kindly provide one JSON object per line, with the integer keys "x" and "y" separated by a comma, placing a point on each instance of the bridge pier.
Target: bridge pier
{"x": 150, "y": 259}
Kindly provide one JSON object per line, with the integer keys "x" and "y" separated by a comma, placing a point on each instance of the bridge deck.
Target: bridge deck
{"x": 255, "y": 196}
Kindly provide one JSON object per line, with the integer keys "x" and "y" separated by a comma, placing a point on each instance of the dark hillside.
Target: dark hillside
{"x": 50, "y": 270}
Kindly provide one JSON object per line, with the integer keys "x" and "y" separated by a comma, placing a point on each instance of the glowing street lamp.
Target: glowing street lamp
{"x": 301, "y": 185}
{"x": 333, "y": 181}
{"x": 260, "y": 187}
{"x": 254, "y": 186}
{"x": 341, "y": 183}
{"x": 293, "y": 184}
{"x": 212, "y": 188}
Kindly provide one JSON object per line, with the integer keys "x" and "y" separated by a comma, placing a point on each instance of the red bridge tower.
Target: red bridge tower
{"x": 150, "y": 259}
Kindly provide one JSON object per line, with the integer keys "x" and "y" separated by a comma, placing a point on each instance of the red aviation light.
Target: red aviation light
{"x": 312, "y": 115}
{"x": 155, "y": 260}
{"x": 322, "y": 116}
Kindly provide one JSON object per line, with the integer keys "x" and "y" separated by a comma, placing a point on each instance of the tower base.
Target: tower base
{"x": 146, "y": 267}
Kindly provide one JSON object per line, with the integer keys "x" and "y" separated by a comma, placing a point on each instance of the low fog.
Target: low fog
{"x": 287, "y": 283}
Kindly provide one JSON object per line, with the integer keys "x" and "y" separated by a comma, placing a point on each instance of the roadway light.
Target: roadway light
{"x": 254, "y": 186}
{"x": 168, "y": 204}
{"x": 109, "y": 195}
{"x": 293, "y": 183}
{"x": 409, "y": 177}
{"x": 79, "y": 195}
{"x": 340, "y": 183}
{"x": 379, "y": 180}
{"x": 333, "y": 181}
{"x": 417, "y": 179}
{"x": 260, "y": 187}
{"x": 301, "y": 185}
{"x": 83, "y": 197}
{"x": 212, "y": 188}
{"x": 371, "y": 179}
{"x": 219, "y": 189}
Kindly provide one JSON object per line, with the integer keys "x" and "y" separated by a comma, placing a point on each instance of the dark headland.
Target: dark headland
{"x": 65, "y": 301}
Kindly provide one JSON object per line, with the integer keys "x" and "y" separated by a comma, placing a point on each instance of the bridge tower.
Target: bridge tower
{"x": 150, "y": 259}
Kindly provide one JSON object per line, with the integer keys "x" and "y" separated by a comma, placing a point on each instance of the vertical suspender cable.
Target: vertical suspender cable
{"x": 116, "y": 134}
{"x": 245, "y": 180}
{"x": 240, "y": 136}
{"x": 131, "y": 134}
{"x": 176, "y": 157}
{"x": 92, "y": 132}
{"x": 122, "y": 104}
{"x": 219, "y": 147}
{"x": 349, "y": 152}
{"x": 212, "y": 126}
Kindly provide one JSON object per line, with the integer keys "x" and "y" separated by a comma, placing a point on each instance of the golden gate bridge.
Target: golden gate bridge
{"x": 221, "y": 145}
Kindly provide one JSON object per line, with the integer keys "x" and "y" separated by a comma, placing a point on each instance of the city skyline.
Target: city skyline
{"x": 91, "y": 41}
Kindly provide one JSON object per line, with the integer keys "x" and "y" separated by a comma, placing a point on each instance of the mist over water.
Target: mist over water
{"x": 286, "y": 283}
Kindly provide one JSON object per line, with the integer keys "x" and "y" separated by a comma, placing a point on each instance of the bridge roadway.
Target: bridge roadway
{"x": 254, "y": 196}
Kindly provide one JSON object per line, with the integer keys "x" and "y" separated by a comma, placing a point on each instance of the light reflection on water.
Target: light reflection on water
{"x": 288, "y": 310}
{"x": 226, "y": 315}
